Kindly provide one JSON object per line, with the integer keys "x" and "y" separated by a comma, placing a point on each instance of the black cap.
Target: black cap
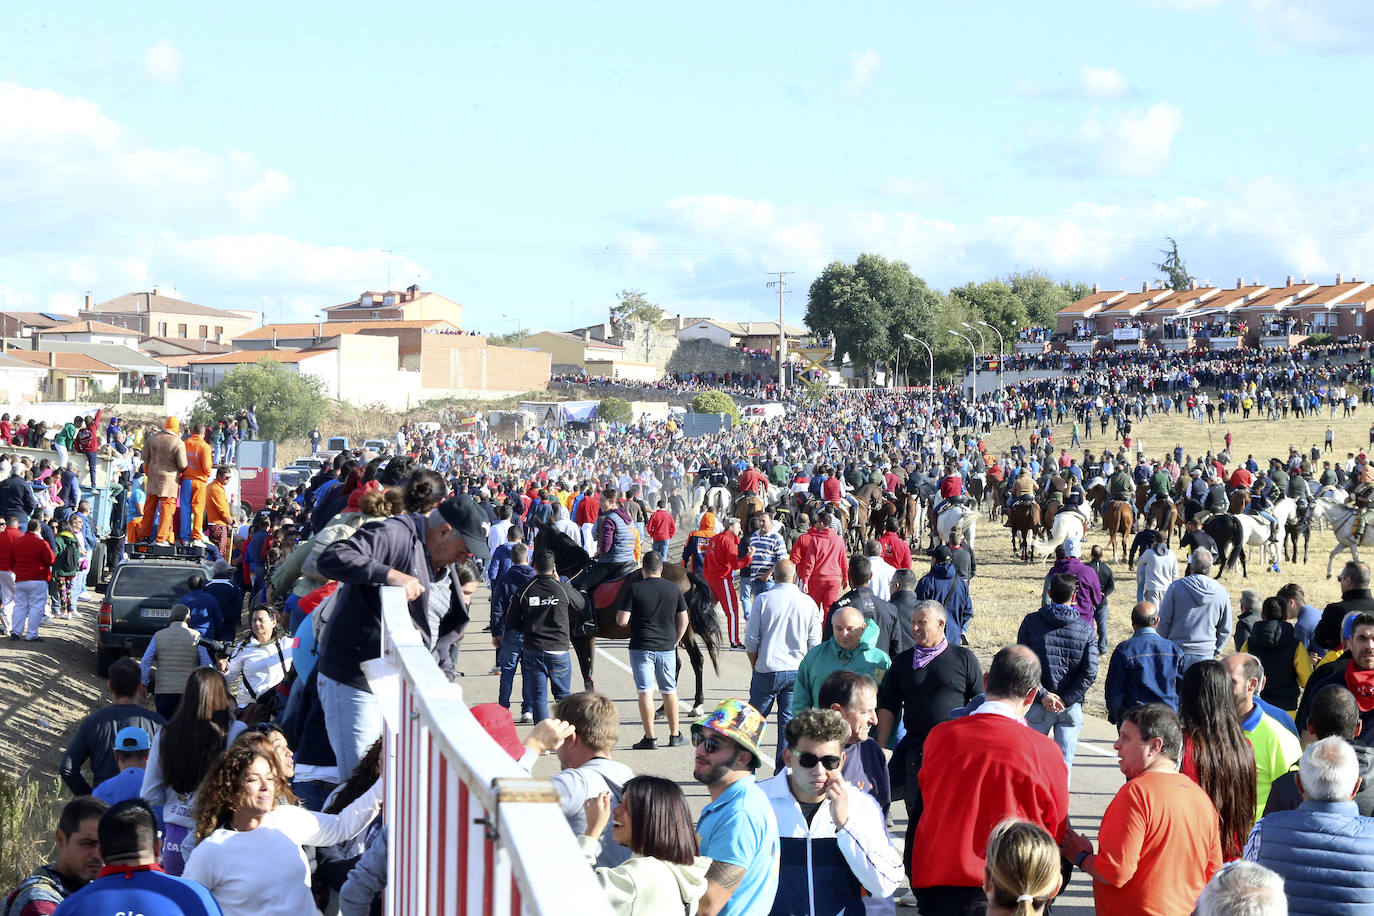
{"x": 462, "y": 513}
{"x": 941, "y": 554}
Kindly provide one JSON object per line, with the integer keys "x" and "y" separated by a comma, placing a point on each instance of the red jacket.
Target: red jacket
{"x": 951, "y": 486}
{"x": 722, "y": 556}
{"x": 821, "y": 554}
{"x": 753, "y": 480}
{"x": 7, "y": 539}
{"x": 33, "y": 559}
{"x": 895, "y": 550}
{"x": 661, "y": 526}
{"x": 589, "y": 510}
{"x": 831, "y": 491}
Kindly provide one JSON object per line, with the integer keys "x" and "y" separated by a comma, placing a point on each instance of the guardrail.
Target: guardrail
{"x": 468, "y": 831}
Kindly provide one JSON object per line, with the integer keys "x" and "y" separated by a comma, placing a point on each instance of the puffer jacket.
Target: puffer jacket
{"x": 1275, "y": 644}
{"x": 1067, "y": 648}
{"x": 943, "y": 584}
{"x": 1325, "y": 853}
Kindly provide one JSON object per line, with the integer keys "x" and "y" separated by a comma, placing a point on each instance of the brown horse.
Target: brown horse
{"x": 1024, "y": 518}
{"x": 1047, "y": 513}
{"x": 1118, "y": 518}
{"x": 1166, "y": 518}
{"x": 1239, "y": 499}
{"x": 570, "y": 559}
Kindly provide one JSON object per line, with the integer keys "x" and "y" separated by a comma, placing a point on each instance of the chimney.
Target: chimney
{"x": 1145, "y": 287}
{"x": 1338, "y": 279}
{"x": 52, "y": 359}
{"x": 1097, "y": 287}
{"x": 157, "y": 291}
{"x": 1240, "y": 281}
{"x": 681, "y": 322}
{"x": 319, "y": 330}
{"x": 274, "y": 338}
{"x": 1290, "y": 280}
{"x": 586, "y": 335}
{"x": 88, "y": 300}
{"x": 1193, "y": 283}
{"x": 413, "y": 290}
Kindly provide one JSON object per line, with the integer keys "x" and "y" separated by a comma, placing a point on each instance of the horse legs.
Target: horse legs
{"x": 585, "y": 648}
{"x": 698, "y": 666}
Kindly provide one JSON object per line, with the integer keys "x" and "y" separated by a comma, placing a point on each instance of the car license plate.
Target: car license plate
{"x": 162, "y": 612}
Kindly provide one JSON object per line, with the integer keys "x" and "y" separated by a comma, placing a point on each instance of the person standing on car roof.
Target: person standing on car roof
{"x": 194, "y": 479}
{"x": 165, "y": 457}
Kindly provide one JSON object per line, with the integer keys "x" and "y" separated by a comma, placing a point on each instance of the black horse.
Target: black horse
{"x": 570, "y": 559}
{"x": 1226, "y": 531}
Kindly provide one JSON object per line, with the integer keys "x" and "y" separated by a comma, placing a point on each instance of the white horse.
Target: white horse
{"x": 1255, "y": 533}
{"x": 963, "y": 519}
{"x": 1342, "y": 520}
{"x": 718, "y": 500}
{"x": 1066, "y": 524}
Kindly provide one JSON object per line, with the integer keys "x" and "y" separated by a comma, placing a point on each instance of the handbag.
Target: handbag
{"x": 268, "y": 702}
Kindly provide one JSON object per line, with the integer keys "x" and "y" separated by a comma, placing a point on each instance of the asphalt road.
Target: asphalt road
{"x": 1095, "y": 774}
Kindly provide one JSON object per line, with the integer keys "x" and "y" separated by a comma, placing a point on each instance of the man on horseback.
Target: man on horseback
{"x": 1120, "y": 485}
{"x": 615, "y": 541}
{"x": 1159, "y": 484}
{"x": 1363, "y": 499}
{"x": 753, "y": 481}
{"x": 1022, "y": 490}
{"x": 951, "y": 489}
{"x": 1261, "y": 500}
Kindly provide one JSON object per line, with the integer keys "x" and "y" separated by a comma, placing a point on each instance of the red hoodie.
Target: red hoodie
{"x": 33, "y": 559}
{"x": 7, "y": 539}
{"x": 661, "y": 526}
{"x": 722, "y": 556}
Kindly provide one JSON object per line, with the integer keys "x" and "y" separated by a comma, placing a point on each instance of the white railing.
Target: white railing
{"x": 469, "y": 833}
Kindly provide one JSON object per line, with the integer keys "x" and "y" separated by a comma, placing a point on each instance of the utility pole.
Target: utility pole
{"x": 781, "y": 284}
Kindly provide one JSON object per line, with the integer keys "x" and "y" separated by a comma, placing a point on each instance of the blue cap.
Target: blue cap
{"x": 132, "y": 739}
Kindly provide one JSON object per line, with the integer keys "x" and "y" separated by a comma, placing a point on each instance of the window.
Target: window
{"x": 376, "y": 314}
{"x": 219, "y": 333}
{"x": 388, "y": 300}
{"x": 365, "y": 300}
{"x": 181, "y": 330}
{"x": 162, "y": 329}
{"x": 204, "y": 331}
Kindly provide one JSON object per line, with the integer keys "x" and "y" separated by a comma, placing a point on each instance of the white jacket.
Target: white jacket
{"x": 1155, "y": 571}
{"x": 644, "y": 886}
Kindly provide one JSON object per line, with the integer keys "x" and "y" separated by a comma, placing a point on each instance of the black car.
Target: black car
{"x": 138, "y": 602}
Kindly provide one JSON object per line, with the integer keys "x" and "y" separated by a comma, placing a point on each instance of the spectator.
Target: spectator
{"x": 164, "y": 455}
{"x": 1324, "y": 850}
{"x": 1156, "y": 571}
{"x": 131, "y": 880}
{"x": 1276, "y": 748}
{"x": 664, "y": 874}
{"x": 961, "y": 555}
{"x": 508, "y": 641}
{"x": 881, "y": 581}
{"x": 661, "y": 527}
{"x": 1195, "y": 613}
{"x": 260, "y": 665}
{"x": 852, "y": 648}
{"x": 501, "y": 557}
{"x": 1356, "y": 673}
{"x": 1215, "y": 753}
{"x": 1023, "y": 869}
{"x": 95, "y": 737}
{"x": 541, "y": 612}
{"x": 229, "y": 596}
{"x": 766, "y": 548}
{"x": 1355, "y": 596}
{"x": 33, "y": 560}
{"x": 943, "y": 586}
{"x": 1305, "y": 616}
{"x": 896, "y": 552}
{"x": 1243, "y": 889}
{"x": 783, "y": 627}
{"x": 1088, "y": 595}
{"x": 130, "y": 751}
{"x": 172, "y": 654}
{"x": 738, "y": 830}
{"x": 1249, "y": 616}
{"x": 1159, "y": 842}
{"x": 904, "y": 602}
{"x": 76, "y": 864}
{"x": 979, "y": 770}
{"x": 820, "y": 558}
{"x": 1334, "y": 714}
{"x": 855, "y": 697}
{"x": 723, "y": 558}
{"x": 815, "y": 807}
{"x": 656, "y": 613}
{"x": 1067, "y": 650}
{"x": 1285, "y": 660}
{"x": 1107, "y": 579}
{"x": 1144, "y": 669}
{"x": 860, "y": 596}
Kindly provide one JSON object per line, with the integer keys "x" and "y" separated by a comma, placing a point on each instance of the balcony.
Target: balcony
{"x": 1227, "y": 343}
{"x": 1178, "y": 344}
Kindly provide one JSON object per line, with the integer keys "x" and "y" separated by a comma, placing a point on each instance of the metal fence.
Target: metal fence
{"x": 469, "y": 832}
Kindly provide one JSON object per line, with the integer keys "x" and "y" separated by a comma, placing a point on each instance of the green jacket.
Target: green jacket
{"x": 828, "y": 657}
{"x": 1121, "y": 483}
{"x": 1160, "y": 483}
{"x": 65, "y": 436}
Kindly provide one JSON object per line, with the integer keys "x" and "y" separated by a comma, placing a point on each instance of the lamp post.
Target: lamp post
{"x": 974, "y": 350}
{"x": 932, "y": 368}
{"x": 1001, "y": 353}
{"x": 519, "y": 328}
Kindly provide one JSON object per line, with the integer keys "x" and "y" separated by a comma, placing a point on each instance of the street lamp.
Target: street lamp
{"x": 975, "y": 361}
{"x": 932, "y": 368}
{"x": 1001, "y": 353}
{"x": 519, "y": 329}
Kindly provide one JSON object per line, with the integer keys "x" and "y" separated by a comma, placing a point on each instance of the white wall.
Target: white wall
{"x": 703, "y": 330}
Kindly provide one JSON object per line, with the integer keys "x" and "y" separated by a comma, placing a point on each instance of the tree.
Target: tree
{"x": 869, "y": 306}
{"x": 715, "y": 402}
{"x": 615, "y": 410}
{"x": 1076, "y": 291}
{"x": 633, "y": 305}
{"x": 1041, "y": 297}
{"x": 1172, "y": 266}
{"x": 287, "y": 404}
{"x": 993, "y": 302}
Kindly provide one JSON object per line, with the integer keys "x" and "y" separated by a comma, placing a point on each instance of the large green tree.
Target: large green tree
{"x": 1041, "y": 297}
{"x": 633, "y": 305}
{"x": 1176, "y": 275}
{"x": 869, "y": 305}
{"x": 287, "y": 404}
{"x": 993, "y": 302}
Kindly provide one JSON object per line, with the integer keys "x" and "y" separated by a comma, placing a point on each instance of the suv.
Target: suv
{"x": 138, "y": 602}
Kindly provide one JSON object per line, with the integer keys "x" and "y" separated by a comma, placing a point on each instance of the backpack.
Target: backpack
{"x": 68, "y": 558}
{"x": 83, "y": 441}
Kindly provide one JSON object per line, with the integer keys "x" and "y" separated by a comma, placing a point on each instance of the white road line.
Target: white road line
{"x": 1096, "y": 750}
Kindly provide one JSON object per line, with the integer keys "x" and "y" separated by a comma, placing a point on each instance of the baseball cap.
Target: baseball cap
{"x": 131, "y": 738}
{"x": 941, "y": 554}
{"x": 462, "y": 513}
{"x": 1073, "y": 547}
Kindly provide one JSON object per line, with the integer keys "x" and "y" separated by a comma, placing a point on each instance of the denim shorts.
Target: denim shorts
{"x": 654, "y": 667}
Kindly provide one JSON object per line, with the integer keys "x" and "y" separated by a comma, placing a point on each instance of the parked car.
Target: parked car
{"x": 138, "y": 602}
{"x": 375, "y": 448}
{"x": 309, "y": 461}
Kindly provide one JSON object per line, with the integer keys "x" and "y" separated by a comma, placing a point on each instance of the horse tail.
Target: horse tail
{"x": 701, "y": 612}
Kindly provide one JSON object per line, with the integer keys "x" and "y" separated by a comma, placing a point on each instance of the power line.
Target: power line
{"x": 781, "y": 284}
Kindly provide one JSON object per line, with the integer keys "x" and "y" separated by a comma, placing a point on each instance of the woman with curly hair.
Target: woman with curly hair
{"x": 248, "y": 852}
{"x": 1216, "y": 754}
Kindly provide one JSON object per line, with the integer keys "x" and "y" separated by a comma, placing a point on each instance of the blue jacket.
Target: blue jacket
{"x": 1325, "y": 853}
{"x": 500, "y": 562}
{"x": 1146, "y": 668}
{"x": 943, "y": 584}
{"x": 512, "y": 581}
{"x": 149, "y": 892}
{"x": 1067, "y": 648}
{"x": 206, "y": 616}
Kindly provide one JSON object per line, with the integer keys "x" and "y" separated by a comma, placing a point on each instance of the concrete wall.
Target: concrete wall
{"x": 646, "y": 343}
{"x": 455, "y": 362}
{"x": 608, "y": 368}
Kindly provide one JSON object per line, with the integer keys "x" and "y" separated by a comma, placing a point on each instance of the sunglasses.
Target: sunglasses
{"x": 809, "y": 760}
{"x": 710, "y": 742}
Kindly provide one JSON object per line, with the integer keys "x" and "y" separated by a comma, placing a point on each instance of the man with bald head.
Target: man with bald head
{"x": 1276, "y": 748}
{"x": 784, "y": 625}
{"x": 853, "y": 647}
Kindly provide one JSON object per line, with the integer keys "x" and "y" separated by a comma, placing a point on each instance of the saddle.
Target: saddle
{"x": 607, "y": 594}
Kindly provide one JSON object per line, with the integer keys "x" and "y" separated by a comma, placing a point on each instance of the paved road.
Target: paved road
{"x": 1095, "y": 778}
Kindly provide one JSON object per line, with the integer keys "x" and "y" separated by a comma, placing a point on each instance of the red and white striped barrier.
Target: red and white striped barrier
{"x": 469, "y": 833}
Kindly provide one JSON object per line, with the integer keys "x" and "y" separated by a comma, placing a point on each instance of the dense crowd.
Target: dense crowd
{"x": 260, "y": 769}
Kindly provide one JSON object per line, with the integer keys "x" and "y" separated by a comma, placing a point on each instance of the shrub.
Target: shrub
{"x": 1319, "y": 340}
{"x": 715, "y": 402}
{"x": 615, "y": 410}
{"x": 28, "y": 814}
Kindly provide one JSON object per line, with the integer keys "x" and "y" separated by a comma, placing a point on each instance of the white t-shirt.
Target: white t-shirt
{"x": 264, "y": 871}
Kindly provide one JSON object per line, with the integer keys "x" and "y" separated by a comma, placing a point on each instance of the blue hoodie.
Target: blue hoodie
{"x": 943, "y": 584}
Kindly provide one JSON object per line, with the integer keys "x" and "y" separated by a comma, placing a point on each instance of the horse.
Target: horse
{"x": 1066, "y": 525}
{"x": 1165, "y": 518}
{"x": 1023, "y": 518}
{"x": 1342, "y": 520}
{"x": 717, "y": 499}
{"x": 1298, "y": 526}
{"x": 1118, "y": 518}
{"x": 1234, "y": 534}
{"x": 570, "y": 559}
{"x": 976, "y": 488}
{"x": 955, "y": 517}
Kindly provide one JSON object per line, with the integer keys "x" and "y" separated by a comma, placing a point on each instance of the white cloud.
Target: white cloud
{"x": 1133, "y": 143}
{"x": 1339, "y": 26}
{"x": 275, "y": 262}
{"x": 1103, "y": 83}
{"x": 862, "y": 66}
{"x": 163, "y": 62}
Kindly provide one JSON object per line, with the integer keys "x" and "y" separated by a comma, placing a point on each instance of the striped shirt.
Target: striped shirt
{"x": 768, "y": 550}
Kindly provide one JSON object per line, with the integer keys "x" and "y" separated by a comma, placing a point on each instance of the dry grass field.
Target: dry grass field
{"x": 1006, "y": 589}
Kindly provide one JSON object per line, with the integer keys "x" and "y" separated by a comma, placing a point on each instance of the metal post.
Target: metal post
{"x": 1001, "y": 356}
{"x": 975, "y": 361}
{"x": 931, "y": 392}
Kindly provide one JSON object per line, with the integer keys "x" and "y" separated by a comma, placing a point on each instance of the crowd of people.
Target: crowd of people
{"x": 263, "y": 755}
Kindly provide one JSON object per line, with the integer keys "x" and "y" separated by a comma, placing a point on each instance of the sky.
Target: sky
{"x": 531, "y": 162}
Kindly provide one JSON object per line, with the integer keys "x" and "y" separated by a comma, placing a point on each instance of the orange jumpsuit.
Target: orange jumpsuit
{"x": 199, "y": 464}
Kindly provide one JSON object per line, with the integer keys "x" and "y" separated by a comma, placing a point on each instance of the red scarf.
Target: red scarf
{"x": 1361, "y": 683}
{"x": 127, "y": 870}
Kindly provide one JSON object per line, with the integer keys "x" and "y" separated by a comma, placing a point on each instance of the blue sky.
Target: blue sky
{"x": 284, "y": 157}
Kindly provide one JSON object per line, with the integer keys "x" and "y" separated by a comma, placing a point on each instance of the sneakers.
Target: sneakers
{"x": 644, "y": 744}
{"x": 677, "y": 740}
{"x": 526, "y": 718}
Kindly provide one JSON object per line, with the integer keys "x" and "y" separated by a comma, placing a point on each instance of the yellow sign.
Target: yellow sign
{"x": 814, "y": 356}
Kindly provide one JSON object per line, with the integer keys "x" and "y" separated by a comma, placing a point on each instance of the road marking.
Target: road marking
{"x": 1096, "y": 750}
{"x": 767, "y": 762}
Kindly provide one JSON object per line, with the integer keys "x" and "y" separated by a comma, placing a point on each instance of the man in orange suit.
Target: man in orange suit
{"x": 199, "y": 463}
{"x": 164, "y": 454}
{"x": 218, "y": 519}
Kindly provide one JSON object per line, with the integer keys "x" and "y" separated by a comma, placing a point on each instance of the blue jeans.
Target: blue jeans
{"x": 749, "y": 589}
{"x": 543, "y": 670}
{"x": 765, "y": 687}
{"x": 353, "y": 720}
{"x": 312, "y": 793}
{"x": 1063, "y": 727}
{"x": 1190, "y": 660}
{"x": 507, "y": 657}
{"x": 661, "y": 548}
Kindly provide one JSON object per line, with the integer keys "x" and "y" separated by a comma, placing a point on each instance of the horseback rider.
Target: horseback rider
{"x": 1120, "y": 485}
{"x": 1022, "y": 490}
{"x": 951, "y": 488}
{"x": 616, "y": 536}
{"x": 1159, "y": 484}
{"x": 753, "y": 481}
{"x": 1363, "y": 499}
{"x": 717, "y": 476}
{"x": 1074, "y": 497}
{"x": 1299, "y": 489}
{"x": 1261, "y": 499}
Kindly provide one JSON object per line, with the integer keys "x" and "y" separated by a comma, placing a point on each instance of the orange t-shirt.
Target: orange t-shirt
{"x": 217, "y": 505}
{"x": 198, "y": 460}
{"x": 1159, "y": 844}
